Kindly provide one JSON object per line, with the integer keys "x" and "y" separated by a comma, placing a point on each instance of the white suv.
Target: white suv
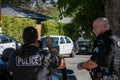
{"x": 63, "y": 43}
{"x": 7, "y": 42}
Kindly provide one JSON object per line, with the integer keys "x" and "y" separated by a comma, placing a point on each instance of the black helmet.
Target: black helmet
{"x": 6, "y": 53}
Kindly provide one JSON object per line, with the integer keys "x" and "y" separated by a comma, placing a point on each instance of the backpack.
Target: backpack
{"x": 116, "y": 56}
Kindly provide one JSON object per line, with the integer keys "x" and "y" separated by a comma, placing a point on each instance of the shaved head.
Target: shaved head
{"x": 103, "y": 21}
{"x": 100, "y": 25}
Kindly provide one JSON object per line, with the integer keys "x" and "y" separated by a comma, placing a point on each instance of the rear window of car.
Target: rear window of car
{"x": 54, "y": 41}
{"x": 4, "y": 39}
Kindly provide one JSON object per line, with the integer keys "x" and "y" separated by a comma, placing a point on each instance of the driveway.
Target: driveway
{"x": 72, "y": 64}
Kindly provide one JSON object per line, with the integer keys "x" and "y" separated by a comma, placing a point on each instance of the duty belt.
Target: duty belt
{"x": 106, "y": 70}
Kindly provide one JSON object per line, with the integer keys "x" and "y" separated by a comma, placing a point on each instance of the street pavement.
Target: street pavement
{"x": 71, "y": 64}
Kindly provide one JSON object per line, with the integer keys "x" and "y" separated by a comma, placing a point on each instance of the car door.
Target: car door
{"x": 62, "y": 46}
{"x": 6, "y": 42}
{"x": 69, "y": 45}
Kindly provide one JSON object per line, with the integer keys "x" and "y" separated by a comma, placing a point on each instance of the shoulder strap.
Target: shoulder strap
{"x": 116, "y": 44}
{"x": 111, "y": 64}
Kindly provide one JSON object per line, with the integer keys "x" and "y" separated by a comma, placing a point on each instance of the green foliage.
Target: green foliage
{"x": 71, "y": 31}
{"x": 51, "y": 27}
{"x": 40, "y": 8}
{"x": 55, "y": 15}
{"x": 13, "y": 26}
{"x": 83, "y": 13}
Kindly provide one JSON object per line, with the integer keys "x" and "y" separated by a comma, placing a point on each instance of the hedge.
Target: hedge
{"x": 13, "y": 26}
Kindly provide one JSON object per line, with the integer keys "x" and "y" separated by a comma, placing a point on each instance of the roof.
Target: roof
{"x": 55, "y": 36}
{"x": 65, "y": 20}
{"x": 11, "y": 10}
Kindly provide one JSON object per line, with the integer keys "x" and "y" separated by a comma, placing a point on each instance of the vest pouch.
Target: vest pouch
{"x": 110, "y": 77}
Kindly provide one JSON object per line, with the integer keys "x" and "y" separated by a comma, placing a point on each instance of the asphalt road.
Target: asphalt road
{"x": 71, "y": 64}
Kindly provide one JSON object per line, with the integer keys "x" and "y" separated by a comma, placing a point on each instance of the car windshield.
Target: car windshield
{"x": 54, "y": 41}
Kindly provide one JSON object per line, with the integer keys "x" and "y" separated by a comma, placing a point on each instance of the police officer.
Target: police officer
{"x": 100, "y": 61}
{"x": 31, "y": 62}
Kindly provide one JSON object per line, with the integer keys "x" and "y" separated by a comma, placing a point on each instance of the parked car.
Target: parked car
{"x": 82, "y": 47}
{"x": 62, "y": 43}
{"x": 8, "y": 42}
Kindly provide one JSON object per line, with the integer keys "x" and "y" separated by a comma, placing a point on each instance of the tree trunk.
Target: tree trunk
{"x": 112, "y": 11}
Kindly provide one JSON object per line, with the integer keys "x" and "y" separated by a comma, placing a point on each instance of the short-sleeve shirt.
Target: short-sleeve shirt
{"x": 101, "y": 53}
{"x": 35, "y": 67}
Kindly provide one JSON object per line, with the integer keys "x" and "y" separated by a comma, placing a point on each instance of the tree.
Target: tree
{"x": 83, "y": 13}
{"x": 46, "y": 7}
{"x": 112, "y": 11}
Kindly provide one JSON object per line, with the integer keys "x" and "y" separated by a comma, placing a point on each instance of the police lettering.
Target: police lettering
{"x": 33, "y": 60}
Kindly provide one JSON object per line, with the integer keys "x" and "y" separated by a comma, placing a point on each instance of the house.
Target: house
{"x": 12, "y": 10}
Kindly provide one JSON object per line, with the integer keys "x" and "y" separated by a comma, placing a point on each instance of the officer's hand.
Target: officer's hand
{"x": 79, "y": 66}
{"x": 49, "y": 45}
{"x": 48, "y": 42}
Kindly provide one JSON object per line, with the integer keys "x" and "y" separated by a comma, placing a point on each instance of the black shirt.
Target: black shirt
{"x": 36, "y": 66}
{"x": 102, "y": 49}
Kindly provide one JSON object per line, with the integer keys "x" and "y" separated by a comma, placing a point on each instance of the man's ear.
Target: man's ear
{"x": 105, "y": 26}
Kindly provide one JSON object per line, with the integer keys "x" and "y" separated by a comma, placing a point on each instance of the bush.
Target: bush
{"x": 13, "y": 26}
{"x": 51, "y": 27}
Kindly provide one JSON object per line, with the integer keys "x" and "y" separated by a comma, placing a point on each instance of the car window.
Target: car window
{"x": 82, "y": 43}
{"x": 62, "y": 41}
{"x": 67, "y": 40}
{"x": 43, "y": 41}
{"x": 54, "y": 41}
{"x": 4, "y": 39}
{"x": 10, "y": 40}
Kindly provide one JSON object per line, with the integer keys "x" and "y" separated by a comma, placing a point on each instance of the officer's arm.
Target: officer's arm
{"x": 49, "y": 45}
{"x": 62, "y": 64}
{"x": 87, "y": 65}
{"x": 55, "y": 52}
{"x": 97, "y": 56}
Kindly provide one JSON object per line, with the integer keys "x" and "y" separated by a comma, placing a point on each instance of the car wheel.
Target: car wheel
{"x": 73, "y": 54}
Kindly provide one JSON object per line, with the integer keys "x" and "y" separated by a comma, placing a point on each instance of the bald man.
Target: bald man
{"x": 101, "y": 50}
